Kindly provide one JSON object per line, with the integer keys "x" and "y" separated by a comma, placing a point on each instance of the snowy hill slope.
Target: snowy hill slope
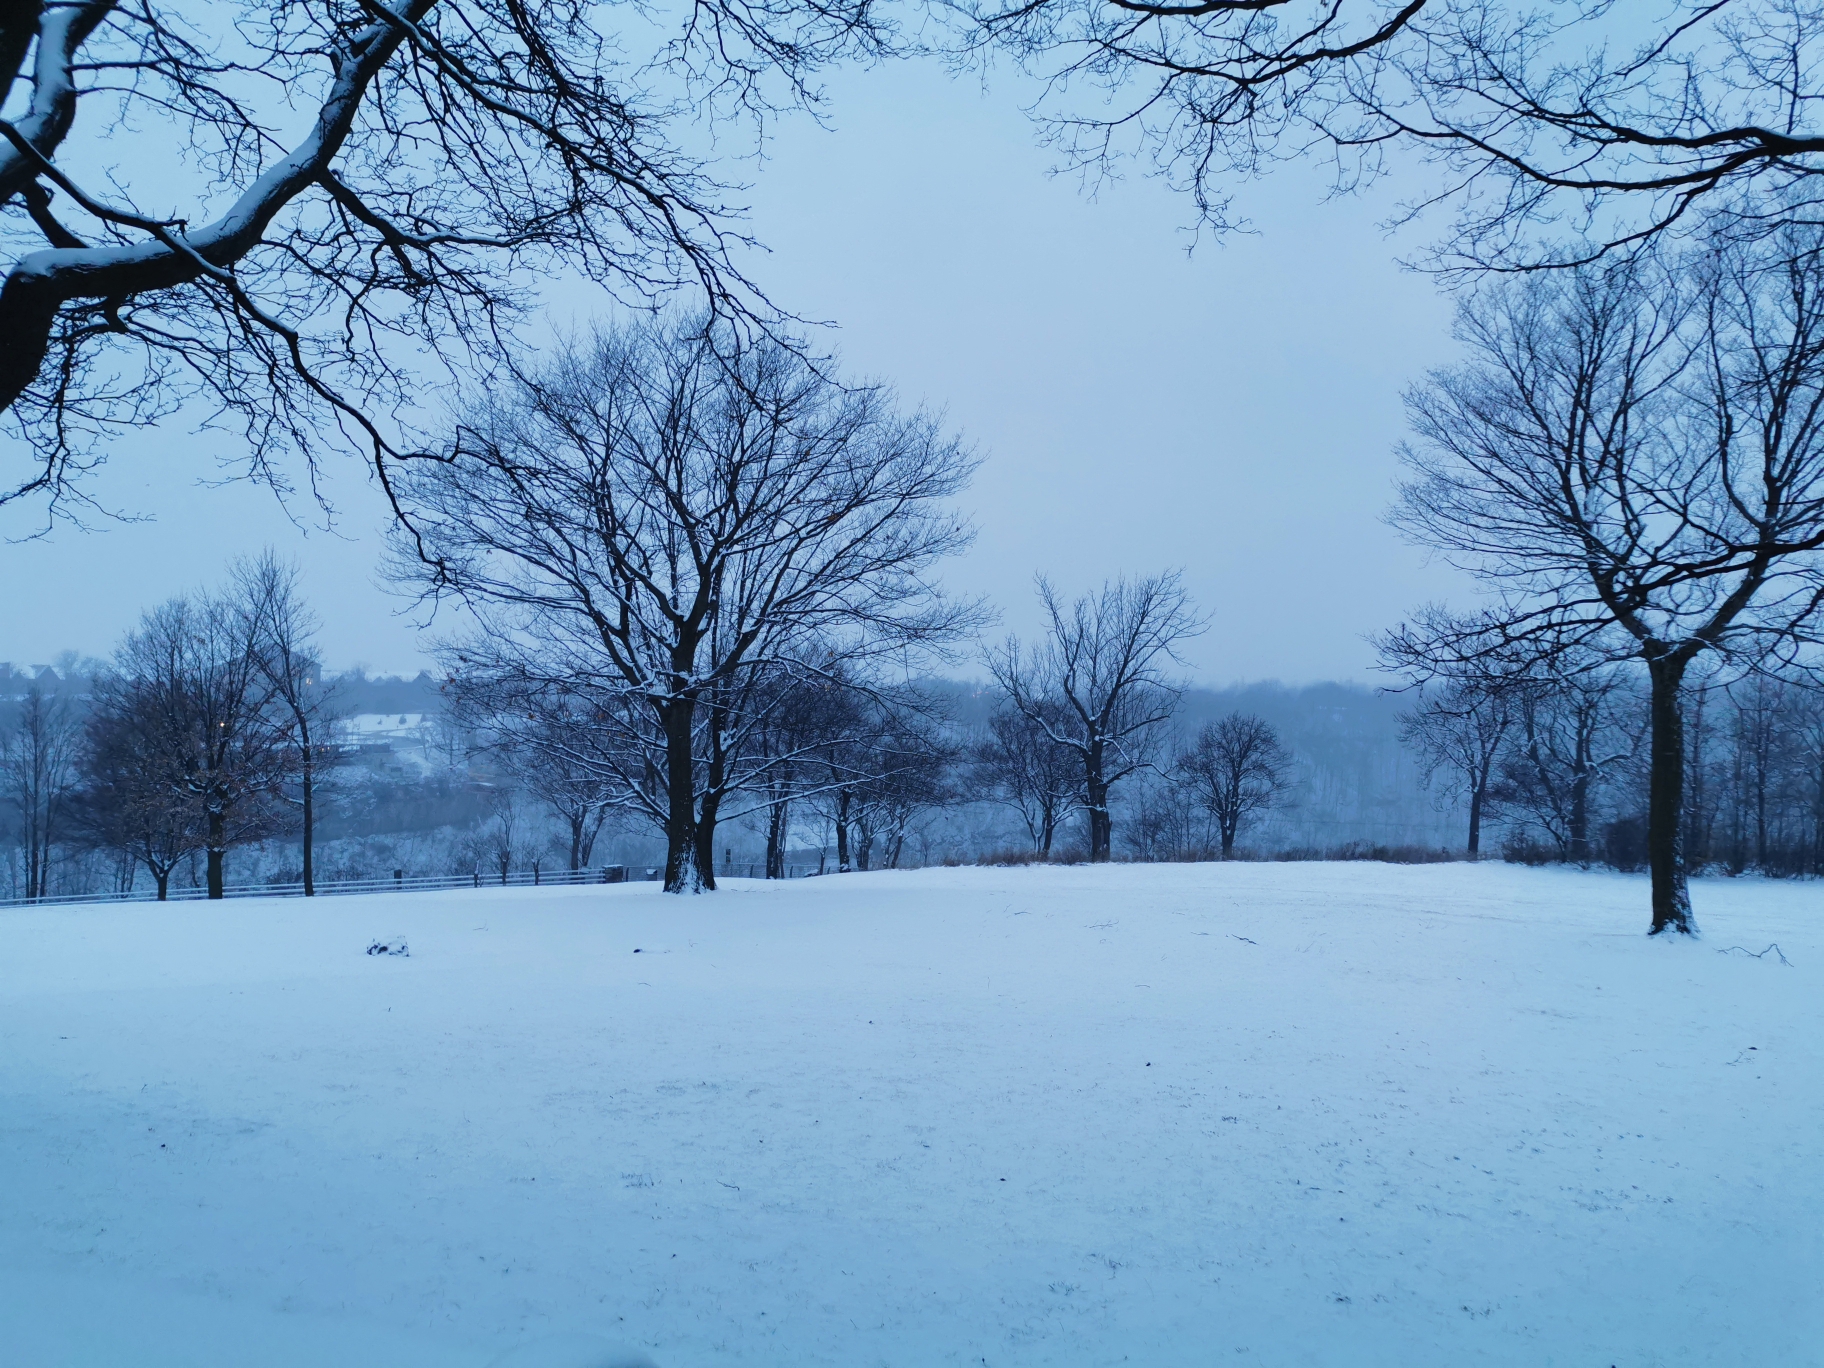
{"x": 1269, "y": 1114}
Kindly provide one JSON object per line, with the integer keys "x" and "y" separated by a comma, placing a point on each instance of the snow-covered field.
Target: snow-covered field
{"x": 1271, "y": 1114}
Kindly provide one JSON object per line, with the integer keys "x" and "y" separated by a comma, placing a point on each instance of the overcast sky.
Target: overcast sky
{"x": 1231, "y": 412}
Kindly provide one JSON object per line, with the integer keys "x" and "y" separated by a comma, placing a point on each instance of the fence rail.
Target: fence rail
{"x": 402, "y": 883}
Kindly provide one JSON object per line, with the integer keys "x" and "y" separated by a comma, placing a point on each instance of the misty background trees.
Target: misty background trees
{"x": 407, "y": 782}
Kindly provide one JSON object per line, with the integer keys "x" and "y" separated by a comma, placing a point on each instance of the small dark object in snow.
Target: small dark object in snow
{"x": 1233, "y": 936}
{"x": 389, "y": 948}
{"x": 636, "y": 949}
{"x": 1149, "y": 1063}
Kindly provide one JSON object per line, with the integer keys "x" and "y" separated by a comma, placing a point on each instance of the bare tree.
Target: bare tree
{"x": 552, "y": 747}
{"x": 1235, "y": 768}
{"x": 1558, "y": 121}
{"x": 191, "y": 675}
{"x": 40, "y": 754}
{"x": 1097, "y": 685}
{"x": 911, "y": 763}
{"x": 1019, "y": 765}
{"x": 842, "y": 759}
{"x": 282, "y": 630}
{"x": 799, "y": 712}
{"x": 1634, "y": 459}
{"x": 499, "y": 836}
{"x": 1571, "y": 732}
{"x": 1809, "y": 764}
{"x": 664, "y": 515}
{"x": 576, "y": 793}
{"x": 132, "y": 802}
{"x": 371, "y": 184}
{"x": 1762, "y": 752}
{"x": 1461, "y": 731}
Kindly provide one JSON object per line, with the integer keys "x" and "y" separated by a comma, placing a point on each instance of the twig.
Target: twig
{"x": 1752, "y": 954}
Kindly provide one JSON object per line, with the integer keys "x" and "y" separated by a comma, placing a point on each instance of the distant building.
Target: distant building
{"x": 406, "y": 736}
{"x": 364, "y": 727}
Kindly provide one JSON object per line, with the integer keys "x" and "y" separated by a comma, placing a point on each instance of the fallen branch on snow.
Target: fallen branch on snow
{"x": 1752, "y": 954}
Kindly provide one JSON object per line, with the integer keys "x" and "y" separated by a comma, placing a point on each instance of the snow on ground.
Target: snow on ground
{"x": 1256, "y": 1114}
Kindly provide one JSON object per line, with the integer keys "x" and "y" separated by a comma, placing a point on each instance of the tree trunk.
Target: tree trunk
{"x": 1100, "y": 833}
{"x": 1579, "y": 844}
{"x": 1227, "y": 830}
{"x": 842, "y": 832}
{"x": 1096, "y": 791}
{"x": 1101, "y": 837}
{"x": 706, "y": 843}
{"x": 715, "y": 779}
{"x": 682, "y": 874}
{"x": 1760, "y": 806}
{"x": 776, "y": 823}
{"x": 1048, "y": 827}
{"x": 308, "y": 777}
{"x": 1666, "y": 798}
{"x": 1817, "y": 847}
{"x": 162, "y": 877}
{"x": 216, "y": 842}
{"x": 1475, "y": 821}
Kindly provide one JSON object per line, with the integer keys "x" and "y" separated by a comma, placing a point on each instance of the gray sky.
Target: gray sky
{"x": 1231, "y": 412}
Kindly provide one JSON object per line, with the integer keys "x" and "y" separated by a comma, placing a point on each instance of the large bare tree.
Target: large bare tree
{"x": 1098, "y": 684}
{"x": 665, "y": 517}
{"x": 302, "y": 215}
{"x": 1632, "y": 458}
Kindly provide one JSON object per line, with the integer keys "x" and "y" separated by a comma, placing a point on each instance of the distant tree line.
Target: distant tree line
{"x": 1562, "y": 764}
{"x": 206, "y": 730}
{"x": 1564, "y": 781}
